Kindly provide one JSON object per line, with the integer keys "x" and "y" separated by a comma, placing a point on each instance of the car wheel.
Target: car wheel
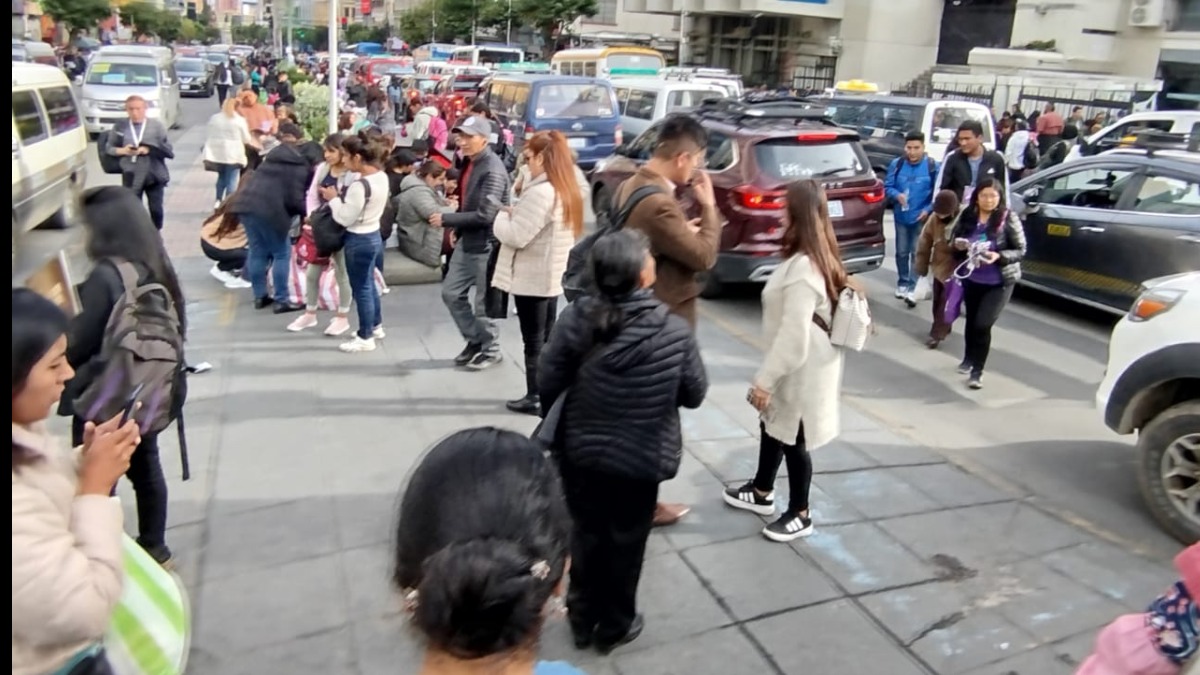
{"x": 602, "y": 205}
{"x": 1169, "y": 470}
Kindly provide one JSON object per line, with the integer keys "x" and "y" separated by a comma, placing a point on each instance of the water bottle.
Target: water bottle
{"x": 906, "y": 197}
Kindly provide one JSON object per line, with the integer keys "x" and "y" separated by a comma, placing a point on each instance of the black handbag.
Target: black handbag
{"x": 328, "y": 234}
{"x": 108, "y": 163}
{"x": 495, "y": 301}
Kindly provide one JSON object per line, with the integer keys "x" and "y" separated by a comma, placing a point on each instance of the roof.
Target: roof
{"x": 894, "y": 100}
{"x": 36, "y": 73}
{"x": 660, "y": 83}
{"x": 548, "y": 77}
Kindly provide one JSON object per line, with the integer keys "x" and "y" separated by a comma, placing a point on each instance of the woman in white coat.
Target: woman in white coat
{"x": 536, "y": 235}
{"x": 225, "y": 141}
{"x": 797, "y": 388}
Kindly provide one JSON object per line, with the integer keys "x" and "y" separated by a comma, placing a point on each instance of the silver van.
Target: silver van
{"x": 642, "y": 101}
{"x": 114, "y": 75}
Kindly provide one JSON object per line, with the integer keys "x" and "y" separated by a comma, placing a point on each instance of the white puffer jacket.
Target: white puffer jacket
{"x": 534, "y": 243}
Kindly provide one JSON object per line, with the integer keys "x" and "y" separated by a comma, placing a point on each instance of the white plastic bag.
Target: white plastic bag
{"x": 923, "y": 290}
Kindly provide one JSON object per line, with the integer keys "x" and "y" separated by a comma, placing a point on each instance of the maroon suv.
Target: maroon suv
{"x": 754, "y": 151}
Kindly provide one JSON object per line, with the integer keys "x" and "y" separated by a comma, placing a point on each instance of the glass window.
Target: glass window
{"x": 622, "y": 98}
{"x": 635, "y": 63}
{"x": 1128, "y": 131}
{"x": 1094, "y": 188}
{"x": 123, "y": 74}
{"x": 882, "y": 121}
{"x": 1173, "y": 196}
{"x": 60, "y": 109}
{"x": 520, "y": 100}
{"x": 688, "y": 98}
{"x": 720, "y": 152}
{"x": 28, "y": 117}
{"x": 606, "y": 12}
{"x": 574, "y": 100}
{"x": 499, "y": 56}
{"x": 643, "y": 145}
{"x": 946, "y": 119}
{"x": 845, "y": 113}
{"x": 191, "y": 66}
{"x": 589, "y": 69}
{"x": 789, "y": 160}
{"x": 641, "y": 104}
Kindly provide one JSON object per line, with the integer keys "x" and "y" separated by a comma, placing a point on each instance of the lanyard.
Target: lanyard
{"x": 136, "y": 135}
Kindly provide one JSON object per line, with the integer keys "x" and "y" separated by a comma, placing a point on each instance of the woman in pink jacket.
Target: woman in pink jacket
{"x": 66, "y": 530}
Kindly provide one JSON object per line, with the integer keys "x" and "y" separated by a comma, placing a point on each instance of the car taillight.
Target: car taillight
{"x": 875, "y": 195}
{"x": 751, "y": 197}
{"x": 529, "y": 130}
{"x": 817, "y": 136}
{"x": 619, "y": 136}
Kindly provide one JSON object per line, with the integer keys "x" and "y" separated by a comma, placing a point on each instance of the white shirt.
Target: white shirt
{"x": 1014, "y": 152}
{"x": 358, "y": 215}
{"x": 226, "y": 139}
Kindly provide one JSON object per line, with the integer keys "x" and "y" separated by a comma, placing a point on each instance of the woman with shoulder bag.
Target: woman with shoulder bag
{"x": 225, "y": 142}
{"x": 536, "y": 235}
{"x": 797, "y": 388}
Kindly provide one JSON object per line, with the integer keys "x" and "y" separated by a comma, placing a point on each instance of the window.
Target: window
{"x": 1188, "y": 16}
{"x": 606, "y": 12}
{"x": 622, "y": 98}
{"x": 28, "y": 117}
{"x": 635, "y": 63}
{"x": 641, "y": 104}
{"x": 720, "y": 153}
{"x": 589, "y": 69}
{"x": 1160, "y": 194}
{"x": 882, "y": 120}
{"x": 946, "y": 119}
{"x": 123, "y": 74}
{"x": 60, "y": 109}
{"x": 1094, "y": 188}
{"x": 678, "y": 100}
{"x": 846, "y": 114}
{"x": 574, "y": 101}
{"x": 577, "y": 68}
{"x": 788, "y": 160}
{"x": 520, "y": 99}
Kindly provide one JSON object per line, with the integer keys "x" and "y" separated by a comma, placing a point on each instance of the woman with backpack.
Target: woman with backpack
{"x": 797, "y": 388}
{"x": 989, "y": 244}
{"x": 120, "y": 234}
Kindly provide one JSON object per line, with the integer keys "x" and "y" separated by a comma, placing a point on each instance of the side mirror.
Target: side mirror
{"x": 1026, "y": 202}
{"x": 1033, "y": 195}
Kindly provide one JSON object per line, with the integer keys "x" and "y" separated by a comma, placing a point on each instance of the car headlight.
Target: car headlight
{"x": 1155, "y": 302}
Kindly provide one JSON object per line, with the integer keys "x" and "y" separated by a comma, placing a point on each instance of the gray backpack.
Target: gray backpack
{"x": 142, "y": 355}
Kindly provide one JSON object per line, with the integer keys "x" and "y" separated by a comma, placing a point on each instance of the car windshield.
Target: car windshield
{"x": 574, "y": 100}
{"x": 946, "y": 119}
{"x": 467, "y": 83}
{"x": 123, "y": 74}
{"x": 786, "y": 159}
{"x": 216, "y": 57}
{"x": 498, "y": 56}
{"x": 191, "y": 66}
{"x": 634, "y": 63}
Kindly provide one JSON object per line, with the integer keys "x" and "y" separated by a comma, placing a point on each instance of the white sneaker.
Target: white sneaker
{"x": 216, "y": 205}
{"x": 385, "y": 290}
{"x": 237, "y": 282}
{"x": 302, "y": 322}
{"x": 358, "y": 345}
{"x": 338, "y": 326}
{"x": 221, "y": 275}
{"x": 378, "y": 333}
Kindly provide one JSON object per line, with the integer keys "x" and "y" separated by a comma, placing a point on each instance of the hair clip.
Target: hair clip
{"x": 411, "y": 600}
{"x": 540, "y": 570}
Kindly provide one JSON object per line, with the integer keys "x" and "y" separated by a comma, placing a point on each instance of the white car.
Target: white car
{"x": 1152, "y": 387}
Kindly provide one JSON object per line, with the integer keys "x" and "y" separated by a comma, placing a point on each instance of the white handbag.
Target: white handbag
{"x": 852, "y": 325}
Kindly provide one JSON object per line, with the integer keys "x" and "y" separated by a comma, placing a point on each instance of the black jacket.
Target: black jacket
{"x": 621, "y": 415}
{"x": 473, "y": 222}
{"x": 956, "y": 171}
{"x": 276, "y": 189}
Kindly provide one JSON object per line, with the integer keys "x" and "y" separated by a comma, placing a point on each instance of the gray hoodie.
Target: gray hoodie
{"x": 415, "y": 204}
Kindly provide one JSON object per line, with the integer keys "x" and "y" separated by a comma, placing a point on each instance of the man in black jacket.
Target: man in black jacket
{"x": 970, "y": 163}
{"x": 484, "y": 188}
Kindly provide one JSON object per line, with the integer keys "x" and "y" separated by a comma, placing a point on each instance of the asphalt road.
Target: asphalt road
{"x": 1033, "y": 428}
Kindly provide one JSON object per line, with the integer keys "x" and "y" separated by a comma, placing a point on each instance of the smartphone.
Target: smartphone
{"x": 131, "y": 404}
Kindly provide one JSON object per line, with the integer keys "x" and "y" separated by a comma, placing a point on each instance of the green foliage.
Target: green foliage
{"x": 141, "y": 17}
{"x": 456, "y": 17}
{"x": 169, "y": 26}
{"x": 312, "y": 109}
{"x": 548, "y": 16}
{"x": 77, "y": 15}
{"x": 416, "y": 25}
{"x": 297, "y": 76}
{"x": 251, "y": 34}
{"x": 317, "y": 36}
{"x": 357, "y": 32}
{"x": 1039, "y": 46}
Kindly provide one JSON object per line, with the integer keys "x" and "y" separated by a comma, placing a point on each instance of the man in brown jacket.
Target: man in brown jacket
{"x": 683, "y": 248}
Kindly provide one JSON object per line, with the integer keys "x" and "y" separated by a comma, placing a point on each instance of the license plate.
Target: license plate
{"x": 577, "y": 143}
{"x": 835, "y": 209}
{"x": 1055, "y": 230}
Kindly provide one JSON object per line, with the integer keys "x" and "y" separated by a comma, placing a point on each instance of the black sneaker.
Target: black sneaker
{"x": 469, "y": 352}
{"x": 964, "y": 368}
{"x": 263, "y": 303}
{"x": 529, "y": 405}
{"x": 745, "y": 497}
{"x": 485, "y": 360}
{"x": 288, "y": 307}
{"x": 789, "y": 527}
{"x": 975, "y": 381}
{"x": 634, "y": 632}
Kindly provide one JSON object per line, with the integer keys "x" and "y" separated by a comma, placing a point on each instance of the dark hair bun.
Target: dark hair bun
{"x": 480, "y": 597}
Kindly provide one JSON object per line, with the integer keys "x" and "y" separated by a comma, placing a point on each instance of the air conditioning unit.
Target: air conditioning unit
{"x": 1147, "y": 13}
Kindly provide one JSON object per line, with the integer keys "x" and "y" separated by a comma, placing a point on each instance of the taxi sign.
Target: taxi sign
{"x": 857, "y": 86}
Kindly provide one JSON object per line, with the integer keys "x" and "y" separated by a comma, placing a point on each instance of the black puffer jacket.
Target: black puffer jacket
{"x": 622, "y": 412}
{"x": 275, "y": 191}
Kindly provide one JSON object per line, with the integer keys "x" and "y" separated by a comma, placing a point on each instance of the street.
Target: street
{"x": 989, "y": 532}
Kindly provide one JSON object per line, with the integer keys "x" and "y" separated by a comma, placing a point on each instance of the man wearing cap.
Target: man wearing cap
{"x": 484, "y": 188}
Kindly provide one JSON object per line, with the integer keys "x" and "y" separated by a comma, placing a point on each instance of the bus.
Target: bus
{"x": 487, "y": 55}
{"x": 609, "y": 62}
{"x": 433, "y": 51}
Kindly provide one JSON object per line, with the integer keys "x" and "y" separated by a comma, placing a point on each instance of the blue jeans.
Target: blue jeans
{"x": 362, "y": 251}
{"x": 269, "y": 247}
{"x": 906, "y": 246}
{"x": 227, "y": 179}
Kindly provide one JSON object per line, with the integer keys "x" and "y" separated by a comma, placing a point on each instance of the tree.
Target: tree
{"x": 548, "y": 17}
{"x": 169, "y": 26}
{"x": 142, "y": 17}
{"x": 357, "y": 32}
{"x": 190, "y": 30}
{"x": 77, "y": 15}
{"x": 253, "y": 34}
{"x": 316, "y": 37}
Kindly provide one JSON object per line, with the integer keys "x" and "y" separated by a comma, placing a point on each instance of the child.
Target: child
{"x": 1160, "y": 641}
{"x": 934, "y": 257}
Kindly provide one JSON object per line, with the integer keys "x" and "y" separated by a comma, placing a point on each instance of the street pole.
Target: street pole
{"x": 433, "y": 24}
{"x": 332, "y": 80}
{"x": 683, "y": 36}
{"x": 508, "y": 29}
{"x": 473, "y": 15}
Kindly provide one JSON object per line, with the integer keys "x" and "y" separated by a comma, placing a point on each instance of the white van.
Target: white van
{"x": 49, "y": 159}
{"x": 1114, "y": 135}
{"x": 642, "y": 101}
{"x": 116, "y": 74}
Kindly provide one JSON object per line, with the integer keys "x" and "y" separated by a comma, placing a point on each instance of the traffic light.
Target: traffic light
{"x": 345, "y": 20}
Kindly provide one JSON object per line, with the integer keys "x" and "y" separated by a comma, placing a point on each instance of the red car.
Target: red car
{"x": 754, "y": 151}
{"x": 455, "y": 92}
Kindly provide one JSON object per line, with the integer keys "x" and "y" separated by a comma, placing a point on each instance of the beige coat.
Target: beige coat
{"x": 534, "y": 243}
{"x": 801, "y": 369}
{"x": 66, "y": 561}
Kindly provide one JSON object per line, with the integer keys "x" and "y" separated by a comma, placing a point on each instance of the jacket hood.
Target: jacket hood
{"x": 411, "y": 181}
{"x": 430, "y": 110}
{"x": 285, "y": 154}
{"x": 645, "y": 317}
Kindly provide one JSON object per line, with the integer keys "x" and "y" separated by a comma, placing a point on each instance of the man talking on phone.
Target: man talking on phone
{"x": 683, "y": 247}
{"x": 143, "y": 146}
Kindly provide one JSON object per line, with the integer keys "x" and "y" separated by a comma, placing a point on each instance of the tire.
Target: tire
{"x": 1172, "y": 435}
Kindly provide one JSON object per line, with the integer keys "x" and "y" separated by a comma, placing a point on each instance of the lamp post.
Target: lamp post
{"x": 508, "y": 28}
{"x": 332, "y": 80}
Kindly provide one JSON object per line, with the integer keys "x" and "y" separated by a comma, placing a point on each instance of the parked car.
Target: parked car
{"x": 642, "y": 101}
{"x": 455, "y": 92}
{"x": 1099, "y": 227}
{"x": 29, "y": 51}
{"x": 196, "y": 77}
{"x": 1151, "y": 387}
{"x": 1124, "y": 130}
{"x": 754, "y": 151}
{"x": 114, "y": 75}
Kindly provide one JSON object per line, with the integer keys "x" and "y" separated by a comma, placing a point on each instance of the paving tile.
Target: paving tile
{"x": 267, "y": 537}
{"x": 321, "y": 654}
{"x": 1041, "y": 533}
{"x": 556, "y": 645}
{"x": 1056, "y": 607}
{"x": 1120, "y": 575}
{"x": 710, "y": 423}
{"x": 848, "y": 642}
{"x": 863, "y": 557}
{"x": 1041, "y": 661}
{"x": 270, "y": 606}
{"x": 825, "y": 508}
{"x": 384, "y": 646}
{"x": 674, "y": 602}
{"x": 658, "y": 544}
{"x": 732, "y": 460}
{"x": 718, "y": 652}
{"x": 367, "y": 575}
{"x": 840, "y": 456}
{"x": 887, "y": 448}
{"x": 739, "y": 573}
{"x": 710, "y": 519}
{"x": 877, "y": 493}
{"x": 909, "y": 612}
{"x": 365, "y": 518}
{"x": 979, "y": 537}
{"x": 949, "y": 485}
{"x": 978, "y": 638}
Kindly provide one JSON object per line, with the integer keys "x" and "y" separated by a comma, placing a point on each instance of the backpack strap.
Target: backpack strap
{"x": 129, "y": 274}
{"x": 932, "y": 169}
{"x": 631, "y": 202}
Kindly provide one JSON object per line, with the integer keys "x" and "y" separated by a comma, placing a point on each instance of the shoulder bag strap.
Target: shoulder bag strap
{"x": 631, "y": 202}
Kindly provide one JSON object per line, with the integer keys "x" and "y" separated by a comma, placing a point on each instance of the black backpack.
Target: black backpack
{"x": 1031, "y": 156}
{"x": 108, "y": 163}
{"x": 329, "y": 234}
{"x": 576, "y": 280}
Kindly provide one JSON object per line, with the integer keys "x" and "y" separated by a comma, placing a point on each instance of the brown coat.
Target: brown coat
{"x": 681, "y": 253}
{"x": 933, "y": 249}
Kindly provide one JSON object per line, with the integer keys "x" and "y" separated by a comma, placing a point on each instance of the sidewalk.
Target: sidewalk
{"x": 298, "y": 452}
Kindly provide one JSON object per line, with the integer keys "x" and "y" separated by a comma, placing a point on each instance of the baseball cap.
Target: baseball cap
{"x": 289, "y": 129}
{"x": 474, "y": 126}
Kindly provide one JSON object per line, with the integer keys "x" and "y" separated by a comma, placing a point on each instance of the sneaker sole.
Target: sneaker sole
{"x": 337, "y": 333}
{"x": 298, "y": 329}
{"x": 975, "y": 385}
{"x": 785, "y": 538}
{"x": 485, "y": 365}
{"x": 747, "y": 506}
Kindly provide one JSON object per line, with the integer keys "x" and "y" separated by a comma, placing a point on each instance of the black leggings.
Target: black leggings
{"x": 149, "y": 487}
{"x": 771, "y": 452}
{"x": 536, "y": 317}
{"x": 982, "y": 305}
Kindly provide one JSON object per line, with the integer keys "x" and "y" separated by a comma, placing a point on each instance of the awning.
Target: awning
{"x": 1189, "y": 56}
